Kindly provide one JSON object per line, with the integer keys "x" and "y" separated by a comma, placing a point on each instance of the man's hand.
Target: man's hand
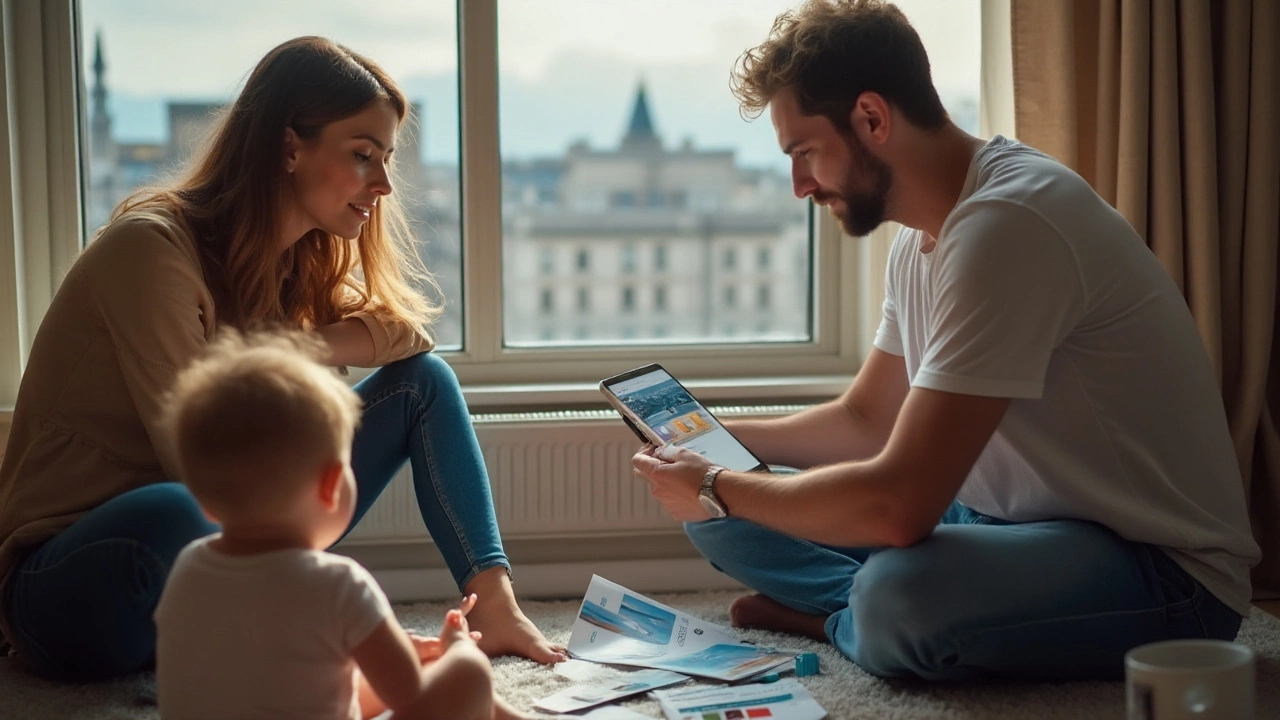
{"x": 674, "y": 476}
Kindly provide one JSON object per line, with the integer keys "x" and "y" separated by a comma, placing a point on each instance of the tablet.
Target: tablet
{"x": 662, "y": 412}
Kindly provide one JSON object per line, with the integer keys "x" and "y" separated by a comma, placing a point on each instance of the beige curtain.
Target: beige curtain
{"x": 1171, "y": 109}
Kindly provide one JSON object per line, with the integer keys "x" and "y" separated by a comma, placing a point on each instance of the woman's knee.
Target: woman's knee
{"x": 167, "y": 517}
{"x": 426, "y": 368}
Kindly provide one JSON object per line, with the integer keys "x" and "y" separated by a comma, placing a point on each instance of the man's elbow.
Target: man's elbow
{"x": 905, "y": 535}
{"x": 906, "y": 524}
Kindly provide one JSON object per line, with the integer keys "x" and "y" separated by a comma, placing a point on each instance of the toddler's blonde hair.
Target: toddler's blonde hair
{"x": 256, "y": 419}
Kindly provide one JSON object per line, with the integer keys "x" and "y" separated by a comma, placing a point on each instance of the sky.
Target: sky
{"x": 568, "y": 69}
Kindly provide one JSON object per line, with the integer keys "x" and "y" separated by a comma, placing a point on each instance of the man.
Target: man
{"x": 1031, "y": 473}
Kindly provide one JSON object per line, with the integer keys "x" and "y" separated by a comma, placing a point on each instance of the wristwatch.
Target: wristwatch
{"x": 707, "y": 493}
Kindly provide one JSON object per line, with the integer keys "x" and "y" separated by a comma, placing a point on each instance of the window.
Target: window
{"x": 646, "y": 137}
{"x": 628, "y": 299}
{"x": 660, "y": 298}
{"x": 763, "y": 259}
{"x": 548, "y": 303}
{"x": 762, "y": 297}
{"x": 628, "y": 258}
{"x": 730, "y": 258}
{"x": 731, "y": 297}
{"x": 558, "y": 114}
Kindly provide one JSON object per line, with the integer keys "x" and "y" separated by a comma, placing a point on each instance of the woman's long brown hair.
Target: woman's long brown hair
{"x": 230, "y": 200}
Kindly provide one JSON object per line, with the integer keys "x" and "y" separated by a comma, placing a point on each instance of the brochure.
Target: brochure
{"x": 608, "y": 712}
{"x": 635, "y": 682}
{"x": 616, "y": 625}
{"x": 783, "y": 699}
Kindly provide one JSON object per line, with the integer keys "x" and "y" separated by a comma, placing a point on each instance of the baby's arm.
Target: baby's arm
{"x": 390, "y": 674}
{"x": 456, "y": 685}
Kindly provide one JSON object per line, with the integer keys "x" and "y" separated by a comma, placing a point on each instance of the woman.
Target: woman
{"x": 287, "y": 218}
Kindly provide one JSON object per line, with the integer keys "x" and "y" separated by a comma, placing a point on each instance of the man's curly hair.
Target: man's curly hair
{"x": 831, "y": 51}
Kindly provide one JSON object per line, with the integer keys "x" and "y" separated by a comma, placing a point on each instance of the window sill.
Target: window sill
{"x": 720, "y": 391}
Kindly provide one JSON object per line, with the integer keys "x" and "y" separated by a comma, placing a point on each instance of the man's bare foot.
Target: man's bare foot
{"x": 764, "y": 613}
{"x": 504, "y": 629}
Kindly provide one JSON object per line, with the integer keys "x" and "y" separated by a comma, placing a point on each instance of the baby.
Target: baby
{"x": 258, "y": 621}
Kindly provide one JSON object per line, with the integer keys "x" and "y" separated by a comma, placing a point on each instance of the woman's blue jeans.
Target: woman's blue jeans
{"x": 81, "y": 603}
{"x": 1062, "y": 599}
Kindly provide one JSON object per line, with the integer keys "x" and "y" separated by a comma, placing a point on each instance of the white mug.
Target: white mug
{"x": 1189, "y": 680}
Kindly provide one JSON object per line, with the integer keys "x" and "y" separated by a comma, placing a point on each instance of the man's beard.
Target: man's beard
{"x": 863, "y": 212}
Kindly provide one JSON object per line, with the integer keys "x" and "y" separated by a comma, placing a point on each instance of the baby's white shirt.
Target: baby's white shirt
{"x": 263, "y": 636}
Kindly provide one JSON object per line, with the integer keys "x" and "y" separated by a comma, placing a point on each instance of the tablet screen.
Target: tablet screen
{"x": 676, "y": 417}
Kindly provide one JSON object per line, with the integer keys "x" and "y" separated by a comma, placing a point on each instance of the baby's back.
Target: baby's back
{"x": 263, "y": 636}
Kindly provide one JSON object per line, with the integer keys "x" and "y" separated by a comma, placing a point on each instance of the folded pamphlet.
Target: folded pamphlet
{"x": 618, "y": 626}
{"x": 783, "y": 699}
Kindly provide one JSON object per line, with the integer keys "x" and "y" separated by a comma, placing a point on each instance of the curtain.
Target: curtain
{"x": 1171, "y": 110}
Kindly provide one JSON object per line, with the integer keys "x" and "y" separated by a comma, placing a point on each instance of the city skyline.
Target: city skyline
{"x": 561, "y": 78}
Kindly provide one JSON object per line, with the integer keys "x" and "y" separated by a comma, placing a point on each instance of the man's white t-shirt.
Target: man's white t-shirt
{"x": 263, "y": 636}
{"x": 1039, "y": 291}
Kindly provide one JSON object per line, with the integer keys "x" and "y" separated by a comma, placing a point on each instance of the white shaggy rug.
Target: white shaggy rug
{"x": 844, "y": 690}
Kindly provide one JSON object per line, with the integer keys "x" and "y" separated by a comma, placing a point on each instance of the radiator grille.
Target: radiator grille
{"x": 556, "y": 474}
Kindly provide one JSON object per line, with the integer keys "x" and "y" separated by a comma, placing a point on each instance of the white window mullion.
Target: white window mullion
{"x": 41, "y": 214}
{"x": 11, "y": 305}
{"x": 65, "y": 220}
{"x": 996, "y": 98}
{"x": 481, "y": 183}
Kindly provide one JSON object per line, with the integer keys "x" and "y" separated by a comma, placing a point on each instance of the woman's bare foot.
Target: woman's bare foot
{"x": 504, "y": 629}
{"x": 764, "y": 613}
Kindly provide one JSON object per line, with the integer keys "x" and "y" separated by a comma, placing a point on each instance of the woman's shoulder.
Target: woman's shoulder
{"x": 142, "y": 227}
{"x": 138, "y": 240}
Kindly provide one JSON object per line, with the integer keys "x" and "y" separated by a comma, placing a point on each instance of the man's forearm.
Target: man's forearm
{"x": 852, "y": 504}
{"x": 821, "y": 435}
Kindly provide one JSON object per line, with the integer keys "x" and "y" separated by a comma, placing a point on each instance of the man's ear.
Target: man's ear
{"x": 871, "y": 118}
{"x": 291, "y": 145}
{"x": 330, "y": 478}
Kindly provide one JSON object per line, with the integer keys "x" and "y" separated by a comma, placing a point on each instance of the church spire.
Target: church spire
{"x": 640, "y": 134}
{"x": 100, "y": 121}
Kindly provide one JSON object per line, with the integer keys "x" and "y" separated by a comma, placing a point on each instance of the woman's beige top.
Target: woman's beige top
{"x": 132, "y": 311}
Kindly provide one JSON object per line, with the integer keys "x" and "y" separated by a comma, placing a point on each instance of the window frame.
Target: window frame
{"x": 41, "y": 229}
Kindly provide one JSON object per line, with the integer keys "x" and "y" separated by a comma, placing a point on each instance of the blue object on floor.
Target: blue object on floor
{"x": 806, "y": 664}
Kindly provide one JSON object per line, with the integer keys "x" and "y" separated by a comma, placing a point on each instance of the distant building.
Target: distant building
{"x": 642, "y": 242}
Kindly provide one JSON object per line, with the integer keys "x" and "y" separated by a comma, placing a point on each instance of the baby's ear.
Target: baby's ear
{"x": 329, "y": 481}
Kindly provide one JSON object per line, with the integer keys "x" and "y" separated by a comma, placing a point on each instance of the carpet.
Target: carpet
{"x": 844, "y": 690}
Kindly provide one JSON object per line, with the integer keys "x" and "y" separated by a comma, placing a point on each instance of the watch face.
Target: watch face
{"x": 712, "y": 507}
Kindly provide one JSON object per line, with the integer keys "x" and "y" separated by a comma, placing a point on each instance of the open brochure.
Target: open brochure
{"x": 616, "y": 625}
{"x": 624, "y": 684}
{"x": 783, "y": 699}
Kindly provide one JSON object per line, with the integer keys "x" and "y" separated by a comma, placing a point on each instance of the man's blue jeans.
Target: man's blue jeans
{"x": 1062, "y": 599}
{"x": 81, "y": 603}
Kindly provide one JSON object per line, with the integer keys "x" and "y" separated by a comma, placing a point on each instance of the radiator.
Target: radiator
{"x": 553, "y": 475}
